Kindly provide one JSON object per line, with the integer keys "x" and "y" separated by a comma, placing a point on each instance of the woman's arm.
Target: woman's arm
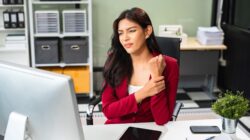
{"x": 162, "y": 104}
{"x": 114, "y": 107}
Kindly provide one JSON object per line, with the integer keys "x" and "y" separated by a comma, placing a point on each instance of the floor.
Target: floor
{"x": 196, "y": 102}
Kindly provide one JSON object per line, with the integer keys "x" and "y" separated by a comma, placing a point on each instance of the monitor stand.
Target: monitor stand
{"x": 16, "y": 127}
{"x": 1, "y": 137}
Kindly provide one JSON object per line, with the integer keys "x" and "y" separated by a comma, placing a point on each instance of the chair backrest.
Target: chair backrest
{"x": 170, "y": 46}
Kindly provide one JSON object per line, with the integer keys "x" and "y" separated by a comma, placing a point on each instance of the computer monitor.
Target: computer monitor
{"x": 46, "y": 98}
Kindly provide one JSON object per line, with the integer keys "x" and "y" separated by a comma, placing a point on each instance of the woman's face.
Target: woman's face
{"x": 132, "y": 36}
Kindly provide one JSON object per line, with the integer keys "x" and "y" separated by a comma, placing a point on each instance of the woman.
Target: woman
{"x": 140, "y": 83}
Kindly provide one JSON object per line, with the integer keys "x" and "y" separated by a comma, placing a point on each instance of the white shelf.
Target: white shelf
{"x": 62, "y": 64}
{"x": 11, "y": 29}
{"x": 11, "y": 49}
{"x": 61, "y": 2}
{"x": 61, "y": 35}
{"x": 11, "y": 6}
{"x": 17, "y": 54}
{"x": 85, "y": 5}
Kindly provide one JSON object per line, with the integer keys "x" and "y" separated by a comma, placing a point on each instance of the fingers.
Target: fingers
{"x": 159, "y": 86}
{"x": 154, "y": 86}
{"x": 159, "y": 82}
{"x": 159, "y": 78}
{"x": 160, "y": 58}
{"x": 154, "y": 59}
{"x": 161, "y": 61}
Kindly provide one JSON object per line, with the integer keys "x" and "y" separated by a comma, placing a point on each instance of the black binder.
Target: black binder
{"x": 6, "y": 19}
{"x": 20, "y": 19}
{"x": 5, "y": 2}
{"x": 19, "y": 1}
{"x": 13, "y": 19}
{"x": 12, "y": 1}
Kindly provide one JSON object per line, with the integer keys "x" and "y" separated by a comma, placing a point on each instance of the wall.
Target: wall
{"x": 189, "y": 13}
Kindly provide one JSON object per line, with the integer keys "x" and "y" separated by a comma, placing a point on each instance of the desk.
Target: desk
{"x": 178, "y": 130}
{"x": 193, "y": 44}
{"x": 198, "y": 62}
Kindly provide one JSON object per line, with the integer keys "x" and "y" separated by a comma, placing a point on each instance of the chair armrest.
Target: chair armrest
{"x": 177, "y": 109}
{"x": 90, "y": 110}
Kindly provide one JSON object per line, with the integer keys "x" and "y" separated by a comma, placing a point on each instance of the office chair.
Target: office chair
{"x": 169, "y": 47}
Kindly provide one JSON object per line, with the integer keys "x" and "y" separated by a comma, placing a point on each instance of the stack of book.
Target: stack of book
{"x": 210, "y": 36}
{"x": 15, "y": 40}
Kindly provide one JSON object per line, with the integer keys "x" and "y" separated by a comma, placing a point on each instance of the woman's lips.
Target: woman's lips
{"x": 128, "y": 45}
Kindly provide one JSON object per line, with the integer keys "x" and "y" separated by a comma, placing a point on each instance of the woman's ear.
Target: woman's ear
{"x": 148, "y": 31}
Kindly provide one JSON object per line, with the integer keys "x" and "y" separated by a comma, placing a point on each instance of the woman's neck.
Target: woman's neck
{"x": 141, "y": 58}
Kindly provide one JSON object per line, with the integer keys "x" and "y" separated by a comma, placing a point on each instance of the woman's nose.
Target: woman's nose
{"x": 125, "y": 37}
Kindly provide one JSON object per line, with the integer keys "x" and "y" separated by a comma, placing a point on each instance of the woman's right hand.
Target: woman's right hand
{"x": 152, "y": 87}
{"x": 156, "y": 66}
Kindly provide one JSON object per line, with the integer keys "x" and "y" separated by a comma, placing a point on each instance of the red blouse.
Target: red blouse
{"x": 121, "y": 107}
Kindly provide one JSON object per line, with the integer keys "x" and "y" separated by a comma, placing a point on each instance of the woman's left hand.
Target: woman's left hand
{"x": 156, "y": 66}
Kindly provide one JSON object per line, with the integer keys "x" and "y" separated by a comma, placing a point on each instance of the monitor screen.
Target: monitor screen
{"x": 46, "y": 98}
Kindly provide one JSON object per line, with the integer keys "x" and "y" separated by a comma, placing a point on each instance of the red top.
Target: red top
{"x": 121, "y": 107}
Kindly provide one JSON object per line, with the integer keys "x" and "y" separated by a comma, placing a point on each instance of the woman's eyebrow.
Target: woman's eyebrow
{"x": 128, "y": 28}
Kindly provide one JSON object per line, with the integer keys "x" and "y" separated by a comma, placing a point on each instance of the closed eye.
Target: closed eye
{"x": 132, "y": 30}
{"x": 120, "y": 33}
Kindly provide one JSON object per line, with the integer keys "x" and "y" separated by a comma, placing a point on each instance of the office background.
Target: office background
{"x": 188, "y": 13}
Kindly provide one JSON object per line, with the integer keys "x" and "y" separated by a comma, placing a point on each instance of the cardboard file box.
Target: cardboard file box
{"x": 81, "y": 78}
{"x": 75, "y": 50}
{"x": 46, "y": 51}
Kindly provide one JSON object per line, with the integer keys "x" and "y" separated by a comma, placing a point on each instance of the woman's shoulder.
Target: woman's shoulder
{"x": 172, "y": 65}
{"x": 170, "y": 60}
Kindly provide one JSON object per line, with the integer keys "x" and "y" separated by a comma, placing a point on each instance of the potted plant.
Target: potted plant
{"x": 231, "y": 106}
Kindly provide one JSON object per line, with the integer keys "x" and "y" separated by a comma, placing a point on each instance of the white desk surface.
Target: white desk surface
{"x": 178, "y": 130}
{"x": 193, "y": 44}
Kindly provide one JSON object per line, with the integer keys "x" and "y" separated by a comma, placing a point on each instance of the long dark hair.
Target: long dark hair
{"x": 119, "y": 64}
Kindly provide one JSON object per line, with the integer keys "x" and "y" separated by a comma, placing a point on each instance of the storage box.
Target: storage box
{"x": 46, "y": 51}
{"x": 47, "y": 22}
{"x": 74, "y": 21}
{"x": 75, "y": 50}
{"x": 81, "y": 78}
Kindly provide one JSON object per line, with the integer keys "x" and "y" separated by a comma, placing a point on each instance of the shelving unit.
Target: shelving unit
{"x": 74, "y": 68}
{"x": 14, "y": 54}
